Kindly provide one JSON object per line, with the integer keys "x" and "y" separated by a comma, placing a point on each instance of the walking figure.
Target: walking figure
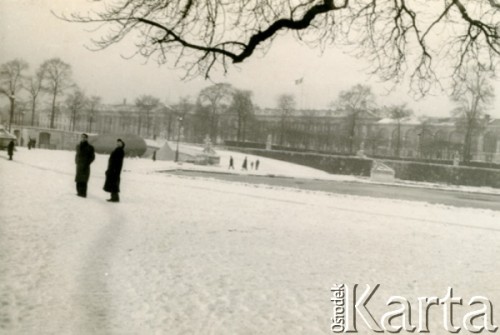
{"x": 115, "y": 164}
{"x": 257, "y": 164}
{"x": 10, "y": 149}
{"x": 231, "y": 163}
{"x": 245, "y": 164}
{"x": 84, "y": 157}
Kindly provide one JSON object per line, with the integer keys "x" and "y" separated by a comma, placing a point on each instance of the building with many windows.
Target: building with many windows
{"x": 326, "y": 131}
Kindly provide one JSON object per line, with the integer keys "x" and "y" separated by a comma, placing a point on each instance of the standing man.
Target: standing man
{"x": 245, "y": 164}
{"x": 231, "y": 163}
{"x": 84, "y": 157}
{"x": 115, "y": 163}
{"x": 10, "y": 149}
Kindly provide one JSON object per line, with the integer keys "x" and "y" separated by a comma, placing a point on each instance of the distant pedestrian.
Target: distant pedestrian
{"x": 84, "y": 157}
{"x": 10, "y": 149}
{"x": 115, "y": 164}
{"x": 245, "y": 164}
{"x": 34, "y": 144}
{"x": 257, "y": 163}
{"x": 154, "y": 156}
{"x": 231, "y": 163}
{"x": 30, "y": 143}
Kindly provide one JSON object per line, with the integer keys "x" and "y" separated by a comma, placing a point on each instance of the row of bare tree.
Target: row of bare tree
{"x": 54, "y": 79}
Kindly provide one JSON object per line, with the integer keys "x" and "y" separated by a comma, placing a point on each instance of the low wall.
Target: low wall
{"x": 47, "y": 138}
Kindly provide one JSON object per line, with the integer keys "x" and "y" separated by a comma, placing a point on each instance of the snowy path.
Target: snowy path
{"x": 187, "y": 256}
{"x": 451, "y": 197}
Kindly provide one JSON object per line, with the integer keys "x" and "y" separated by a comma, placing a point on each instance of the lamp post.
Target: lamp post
{"x": 178, "y": 138}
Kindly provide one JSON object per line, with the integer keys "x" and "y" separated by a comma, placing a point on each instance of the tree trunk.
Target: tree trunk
{"x": 398, "y": 140}
{"x": 12, "y": 107}
{"x": 467, "y": 144}
{"x": 33, "y": 107}
{"x": 238, "y": 131}
{"x": 139, "y": 125}
{"x": 213, "y": 125}
{"x": 282, "y": 131}
{"x": 53, "y": 112}
{"x": 352, "y": 132}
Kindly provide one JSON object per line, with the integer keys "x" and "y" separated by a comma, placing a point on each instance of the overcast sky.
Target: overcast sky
{"x": 29, "y": 31}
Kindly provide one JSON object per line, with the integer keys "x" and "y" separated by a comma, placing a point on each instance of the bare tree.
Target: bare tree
{"x": 11, "y": 82}
{"x": 56, "y": 80}
{"x": 34, "y": 89}
{"x": 216, "y": 98}
{"x": 76, "y": 102}
{"x": 398, "y": 113}
{"x": 146, "y": 104}
{"x": 353, "y": 102}
{"x": 286, "y": 106}
{"x": 473, "y": 97}
{"x": 92, "y": 108}
{"x": 399, "y": 37}
{"x": 243, "y": 107}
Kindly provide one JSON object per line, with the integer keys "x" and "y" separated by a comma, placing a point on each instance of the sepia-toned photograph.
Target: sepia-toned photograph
{"x": 241, "y": 167}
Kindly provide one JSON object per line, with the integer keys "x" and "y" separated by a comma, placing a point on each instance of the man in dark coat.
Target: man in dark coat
{"x": 10, "y": 149}
{"x": 115, "y": 163}
{"x": 84, "y": 157}
{"x": 245, "y": 163}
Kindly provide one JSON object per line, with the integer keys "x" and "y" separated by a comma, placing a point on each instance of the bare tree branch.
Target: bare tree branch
{"x": 402, "y": 39}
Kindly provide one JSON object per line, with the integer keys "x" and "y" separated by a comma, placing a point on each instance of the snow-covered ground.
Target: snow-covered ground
{"x": 191, "y": 256}
{"x": 275, "y": 167}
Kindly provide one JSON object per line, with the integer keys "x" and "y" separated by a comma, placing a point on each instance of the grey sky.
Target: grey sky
{"x": 28, "y": 30}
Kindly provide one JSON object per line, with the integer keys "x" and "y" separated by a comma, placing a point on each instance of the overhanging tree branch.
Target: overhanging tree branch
{"x": 398, "y": 37}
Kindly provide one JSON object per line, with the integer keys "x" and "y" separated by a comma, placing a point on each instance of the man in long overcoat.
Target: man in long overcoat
{"x": 10, "y": 149}
{"x": 84, "y": 157}
{"x": 115, "y": 164}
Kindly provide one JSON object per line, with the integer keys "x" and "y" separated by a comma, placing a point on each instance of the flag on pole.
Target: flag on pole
{"x": 299, "y": 81}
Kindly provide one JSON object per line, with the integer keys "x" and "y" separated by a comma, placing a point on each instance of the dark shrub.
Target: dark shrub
{"x": 348, "y": 165}
{"x": 405, "y": 170}
{"x": 135, "y": 146}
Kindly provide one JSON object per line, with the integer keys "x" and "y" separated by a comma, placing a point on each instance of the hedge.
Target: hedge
{"x": 404, "y": 170}
{"x": 135, "y": 146}
{"x": 453, "y": 175}
{"x": 346, "y": 165}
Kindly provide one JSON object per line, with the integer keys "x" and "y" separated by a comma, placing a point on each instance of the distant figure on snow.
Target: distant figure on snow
{"x": 115, "y": 163}
{"x": 231, "y": 163}
{"x": 257, "y": 163}
{"x": 84, "y": 157}
{"x": 30, "y": 143}
{"x": 245, "y": 164}
{"x": 10, "y": 149}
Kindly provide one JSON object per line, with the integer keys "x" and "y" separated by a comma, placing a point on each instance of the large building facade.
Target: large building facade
{"x": 316, "y": 130}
